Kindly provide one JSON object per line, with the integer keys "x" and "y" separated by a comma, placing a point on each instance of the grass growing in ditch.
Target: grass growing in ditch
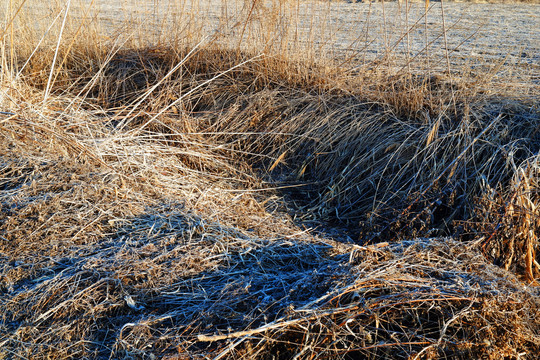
{"x": 160, "y": 193}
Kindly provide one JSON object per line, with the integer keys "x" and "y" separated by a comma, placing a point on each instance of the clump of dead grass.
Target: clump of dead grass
{"x": 146, "y": 197}
{"x": 444, "y": 142}
{"x": 418, "y": 299}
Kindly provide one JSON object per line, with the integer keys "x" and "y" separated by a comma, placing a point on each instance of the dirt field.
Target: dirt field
{"x": 477, "y": 35}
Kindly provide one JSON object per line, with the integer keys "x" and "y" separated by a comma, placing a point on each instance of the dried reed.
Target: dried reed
{"x": 175, "y": 190}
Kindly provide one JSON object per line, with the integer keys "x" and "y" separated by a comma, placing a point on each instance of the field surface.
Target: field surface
{"x": 476, "y": 33}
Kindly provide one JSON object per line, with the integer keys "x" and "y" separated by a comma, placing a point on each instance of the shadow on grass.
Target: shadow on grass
{"x": 158, "y": 276}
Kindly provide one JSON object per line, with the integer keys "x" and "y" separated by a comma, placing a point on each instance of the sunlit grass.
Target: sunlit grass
{"x": 177, "y": 174}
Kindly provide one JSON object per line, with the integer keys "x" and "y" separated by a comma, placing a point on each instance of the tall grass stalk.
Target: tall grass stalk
{"x": 50, "y": 81}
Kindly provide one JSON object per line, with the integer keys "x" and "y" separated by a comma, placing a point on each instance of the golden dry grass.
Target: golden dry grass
{"x": 169, "y": 194}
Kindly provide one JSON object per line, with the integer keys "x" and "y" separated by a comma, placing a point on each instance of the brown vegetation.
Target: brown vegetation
{"x": 197, "y": 198}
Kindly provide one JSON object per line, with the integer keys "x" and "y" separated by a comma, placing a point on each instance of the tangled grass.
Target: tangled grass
{"x": 196, "y": 199}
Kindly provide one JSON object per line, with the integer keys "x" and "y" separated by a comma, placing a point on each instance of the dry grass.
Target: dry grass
{"x": 174, "y": 195}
